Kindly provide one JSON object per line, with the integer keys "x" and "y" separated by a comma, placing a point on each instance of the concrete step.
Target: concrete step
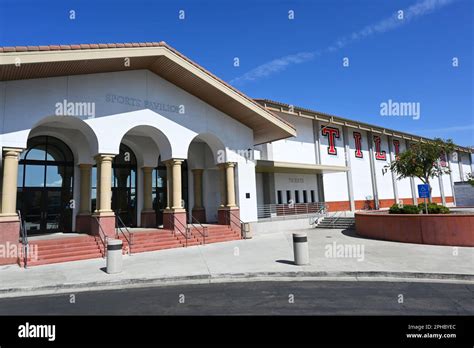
{"x": 63, "y": 259}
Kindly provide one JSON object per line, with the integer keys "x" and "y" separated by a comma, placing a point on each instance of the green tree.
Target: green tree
{"x": 470, "y": 179}
{"x": 422, "y": 160}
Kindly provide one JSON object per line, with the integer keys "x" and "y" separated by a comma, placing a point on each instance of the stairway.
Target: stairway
{"x": 159, "y": 239}
{"x": 344, "y": 223}
{"x": 216, "y": 234}
{"x": 156, "y": 239}
{"x": 89, "y": 247}
{"x": 63, "y": 250}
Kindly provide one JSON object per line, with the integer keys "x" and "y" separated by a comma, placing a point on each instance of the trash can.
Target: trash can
{"x": 300, "y": 248}
{"x": 114, "y": 256}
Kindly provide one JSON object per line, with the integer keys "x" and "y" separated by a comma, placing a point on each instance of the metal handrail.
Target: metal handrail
{"x": 337, "y": 215}
{"x": 322, "y": 211}
{"x": 282, "y": 211}
{"x": 172, "y": 220}
{"x": 101, "y": 232}
{"x": 24, "y": 239}
{"x": 118, "y": 223}
{"x": 204, "y": 229}
{"x": 230, "y": 221}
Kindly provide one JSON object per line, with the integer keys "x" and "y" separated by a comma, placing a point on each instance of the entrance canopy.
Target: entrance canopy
{"x": 264, "y": 166}
{"x": 31, "y": 62}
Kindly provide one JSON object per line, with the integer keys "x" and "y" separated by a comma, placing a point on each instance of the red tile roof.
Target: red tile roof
{"x": 80, "y": 46}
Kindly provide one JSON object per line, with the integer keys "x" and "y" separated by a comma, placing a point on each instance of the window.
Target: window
{"x": 288, "y": 196}
{"x": 312, "y": 197}
{"x": 297, "y": 196}
{"x": 279, "y": 197}
{"x": 305, "y": 196}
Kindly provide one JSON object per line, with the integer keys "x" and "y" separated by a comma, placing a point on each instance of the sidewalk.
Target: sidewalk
{"x": 265, "y": 257}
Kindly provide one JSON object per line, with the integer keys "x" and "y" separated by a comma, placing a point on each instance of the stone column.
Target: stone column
{"x": 104, "y": 214}
{"x": 177, "y": 195}
{"x": 198, "y": 210}
{"x": 148, "y": 215}
{"x": 228, "y": 213}
{"x": 9, "y": 222}
{"x": 10, "y": 176}
{"x": 174, "y": 217}
{"x": 105, "y": 183}
{"x": 83, "y": 219}
{"x": 229, "y": 171}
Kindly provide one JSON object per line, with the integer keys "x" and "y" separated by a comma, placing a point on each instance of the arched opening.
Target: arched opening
{"x": 205, "y": 196}
{"x": 45, "y": 185}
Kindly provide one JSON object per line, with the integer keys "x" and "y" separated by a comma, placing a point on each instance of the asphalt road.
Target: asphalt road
{"x": 262, "y": 298}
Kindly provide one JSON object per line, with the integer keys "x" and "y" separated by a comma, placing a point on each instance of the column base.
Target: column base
{"x": 148, "y": 219}
{"x": 199, "y": 214}
{"x": 9, "y": 239}
{"x": 169, "y": 217}
{"x": 83, "y": 223}
{"x": 224, "y": 216}
{"x": 107, "y": 223}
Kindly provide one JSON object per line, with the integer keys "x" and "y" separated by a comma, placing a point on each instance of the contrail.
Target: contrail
{"x": 417, "y": 10}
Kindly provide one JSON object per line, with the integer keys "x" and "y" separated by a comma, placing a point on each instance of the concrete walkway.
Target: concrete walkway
{"x": 334, "y": 254}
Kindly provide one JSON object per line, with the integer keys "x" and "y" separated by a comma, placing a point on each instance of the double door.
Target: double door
{"x": 45, "y": 210}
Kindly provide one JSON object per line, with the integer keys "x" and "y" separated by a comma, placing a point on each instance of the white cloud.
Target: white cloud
{"x": 421, "y": 8}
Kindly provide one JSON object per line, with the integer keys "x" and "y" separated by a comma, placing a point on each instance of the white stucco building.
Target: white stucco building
{"x": 92, "y": 132}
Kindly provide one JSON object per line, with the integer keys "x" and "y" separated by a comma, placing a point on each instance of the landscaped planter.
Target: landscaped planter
{"x": 437, "y": 229}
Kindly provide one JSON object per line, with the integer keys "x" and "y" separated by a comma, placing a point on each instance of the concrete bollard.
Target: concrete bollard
{"x": 246, "y": 232}
{"x": 114, "y": 256}
{"x": 300, "y": 248}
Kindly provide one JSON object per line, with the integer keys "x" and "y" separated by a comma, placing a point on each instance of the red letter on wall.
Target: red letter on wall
{"x": 379, "y": 155}
{"x": 331, "y": 133}
{"x": 396, "y": 147}
{"x": 358, "y": 145}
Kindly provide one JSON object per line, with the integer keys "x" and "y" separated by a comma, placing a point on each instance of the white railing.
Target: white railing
{"x": 283, "y": 211}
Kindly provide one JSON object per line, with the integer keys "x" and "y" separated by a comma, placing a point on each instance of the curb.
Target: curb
{"x": 236, "y": 277}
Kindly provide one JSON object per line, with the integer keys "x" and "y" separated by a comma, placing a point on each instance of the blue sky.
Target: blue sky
{"x": 407, "y": 61}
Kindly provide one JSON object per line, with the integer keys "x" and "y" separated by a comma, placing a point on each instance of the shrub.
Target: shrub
{"x": 434, "y": 208}
{"x": 410, "y": 209}
{"x": 406, "y": 209}
{"x": 394, "y": 209}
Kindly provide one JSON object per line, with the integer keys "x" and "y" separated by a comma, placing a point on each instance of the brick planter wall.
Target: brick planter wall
{"x": 436, "y": 229}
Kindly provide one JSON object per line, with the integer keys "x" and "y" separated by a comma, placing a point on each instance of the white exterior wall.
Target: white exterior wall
{"x": 299, "y": 149}
{"x": 466, "y": 165}
{"x": 361, "y": 178}
{"x": 293, "y": 182}
{"x": 453, "y": 162}
{"x": 335, "y": 184}
{"x": 29, "y": 103}
{"x": 404, "y": 185}
{"x": 384, "y": 181}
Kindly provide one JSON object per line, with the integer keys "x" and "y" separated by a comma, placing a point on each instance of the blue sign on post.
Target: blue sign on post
{"x": 424, "y": 191}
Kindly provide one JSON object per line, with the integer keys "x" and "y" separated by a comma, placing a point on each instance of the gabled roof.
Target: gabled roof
{"x": 293, "y": 110}
{"x": 158, "y": 57}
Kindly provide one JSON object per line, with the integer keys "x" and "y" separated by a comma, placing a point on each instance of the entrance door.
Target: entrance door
{"x": 45, "y": 184}
{"x": 124, "y": 194}
{"x": 43, "y": 211}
